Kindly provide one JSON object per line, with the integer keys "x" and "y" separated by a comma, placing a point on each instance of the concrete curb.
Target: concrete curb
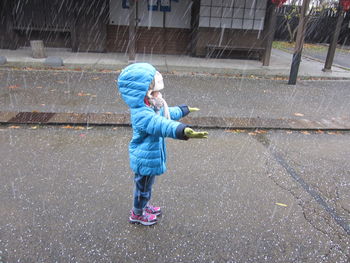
{"x": 110, "y": 119}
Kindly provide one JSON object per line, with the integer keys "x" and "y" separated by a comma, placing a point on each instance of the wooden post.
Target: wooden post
{"x": 8, "y": 36}
{"x": 73, "y": 28}
{"x": 270, "y": 34}
{"x": 165, "y": 35}
{"x": 195, "y": 9}
{"x": 298, "y": 44}
{"x": 334, "y": 41}
{"x": 132, "y": 31}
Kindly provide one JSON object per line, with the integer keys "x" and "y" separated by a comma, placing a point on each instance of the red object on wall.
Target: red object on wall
{"x": 279, "y": 3}
{"x": 345, "y": 4}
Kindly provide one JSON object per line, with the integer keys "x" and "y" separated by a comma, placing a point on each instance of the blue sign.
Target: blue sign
{"x": 165, "y": 5}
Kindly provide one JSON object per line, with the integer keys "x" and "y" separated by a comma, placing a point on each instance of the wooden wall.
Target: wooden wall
{"x": 155, "y": 40}
{"x": 230, "y": 37}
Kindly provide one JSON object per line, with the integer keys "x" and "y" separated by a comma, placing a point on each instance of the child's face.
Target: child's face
{"x": 155, "y": 94}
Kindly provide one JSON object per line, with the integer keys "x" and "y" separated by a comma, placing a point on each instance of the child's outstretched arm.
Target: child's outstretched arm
{"x": 176, "y": 113}
{"x": 151, "y": 123}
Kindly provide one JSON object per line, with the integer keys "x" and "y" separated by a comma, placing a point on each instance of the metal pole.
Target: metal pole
{"x": 298, "y": 45}
{"x": 334, "y": 41}
{"x": 132, "y": 31}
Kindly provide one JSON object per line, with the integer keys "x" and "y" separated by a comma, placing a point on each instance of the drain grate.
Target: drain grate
{"x": 32, "y": 117}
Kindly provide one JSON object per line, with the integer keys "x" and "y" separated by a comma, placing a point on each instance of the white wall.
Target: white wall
{"x": 178, "y": 17}
{"x": 149, "y": 18}
{"x": 237, "y": 14}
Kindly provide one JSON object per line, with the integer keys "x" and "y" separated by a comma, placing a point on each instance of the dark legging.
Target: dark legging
{"x": 142, "y": 192}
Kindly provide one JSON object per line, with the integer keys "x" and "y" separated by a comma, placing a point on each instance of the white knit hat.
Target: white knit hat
{"x": 158, "y": 82}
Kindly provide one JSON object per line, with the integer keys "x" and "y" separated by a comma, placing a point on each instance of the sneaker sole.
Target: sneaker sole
{"x": 133, "y": 221}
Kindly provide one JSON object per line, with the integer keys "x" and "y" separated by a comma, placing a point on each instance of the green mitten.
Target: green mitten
{"x": 193, "y": 109}
{"x": 192, "y": 134}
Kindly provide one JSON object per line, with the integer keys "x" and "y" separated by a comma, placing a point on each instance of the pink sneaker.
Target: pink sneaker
{"x": 153, "y": 210}
{"x": 144, "y": 219}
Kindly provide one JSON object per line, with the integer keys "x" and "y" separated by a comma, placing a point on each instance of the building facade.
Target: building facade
{"x": 212, "y": 28}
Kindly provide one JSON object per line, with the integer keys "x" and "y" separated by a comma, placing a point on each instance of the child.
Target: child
{"x": 152, "y": 120}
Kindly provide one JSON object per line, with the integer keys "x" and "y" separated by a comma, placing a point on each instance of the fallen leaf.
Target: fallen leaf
{"x": 298, "y": 114}
{"x": 280, "y": 204}
{"x": 67, "y": 127}
{"x": 83, "y": 94}
{"x": 320, "y": 132}
{"x": 305, "y": 132}
{"x": 14, "y": 127}
{"x": 79, "y": 128}
{"x": 34, "y": 127}
{"x": 13, "y": 87}
{"x": 235, "y": 131}
{"x": 39, "y": 87}
{"x": 277, "y": 78}
{"x": 252, "y": 133}
{"x": 289, "y": 132}
{"x": 332, "y": 133}
{"x": 261, "y": 131}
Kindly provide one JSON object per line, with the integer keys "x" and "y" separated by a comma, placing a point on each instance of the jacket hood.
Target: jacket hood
{"x": 133, "y": 83}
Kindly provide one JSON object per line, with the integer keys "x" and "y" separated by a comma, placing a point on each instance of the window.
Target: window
{"x": 236, "y": 14}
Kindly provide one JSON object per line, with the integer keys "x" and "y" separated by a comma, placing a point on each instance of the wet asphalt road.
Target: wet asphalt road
{"x": 236, "y": 197}
{"x": 89, "y": 92}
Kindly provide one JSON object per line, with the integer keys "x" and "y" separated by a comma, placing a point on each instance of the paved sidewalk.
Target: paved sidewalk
{"x": 91, "y": 98}
{"x": 79, "y": 94}
{"x": 319, "y": 52}
{"x": 279, "y": 65}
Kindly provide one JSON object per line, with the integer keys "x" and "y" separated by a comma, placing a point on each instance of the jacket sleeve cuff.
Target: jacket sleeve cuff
{"x": 185, "y": 110}
{"x": 180, "y": 132}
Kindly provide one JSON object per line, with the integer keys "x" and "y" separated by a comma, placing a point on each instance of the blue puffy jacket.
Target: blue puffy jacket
{"x": 147, "y": 148}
